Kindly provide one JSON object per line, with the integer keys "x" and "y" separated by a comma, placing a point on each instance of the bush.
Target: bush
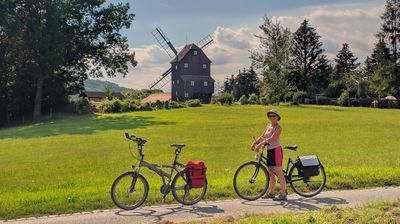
{"x": 226, "y": 98}
{"x": 193, "y": 103}
{"x": 243, "y": 100}
{"x": 146, "y": 107}
{"x": 253, "y": 99}
{"x": 343, "y": 100}
{"x": 298, "y": 96}
{"x": 264, "y": 100}
{"x": 157, "y": 105}
{"x": 174, "y": 104}
{"x": 110, "y": 106}
{"x": 130, "y": 105}
{"x": 81, "y": 105}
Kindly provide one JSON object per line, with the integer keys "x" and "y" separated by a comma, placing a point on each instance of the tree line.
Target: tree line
{"x": 294, "y": 65}
{"x": 48, "y": 48}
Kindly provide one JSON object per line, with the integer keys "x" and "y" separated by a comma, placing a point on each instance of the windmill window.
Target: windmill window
{"x": 204, "y": 65}
{"x": 186, "y": 65}
{"x": 194, "y": 52}
{"x": 192, "y": 83}
{"x": 187, "y": 95}
{"x": 176, "y": 93}
{"x": 206, "y": 83}
{"x": 176, "y": 67}
{"x": 173, "y": 81}
{"x": 177, "y": 82}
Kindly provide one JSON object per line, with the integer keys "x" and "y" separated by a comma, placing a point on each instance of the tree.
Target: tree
{"x": 391, "y": 31}
{"x": 245, "y": 83}
{"x": 56, "y": 46}
{"x": 311, "y": 67}
{"x": 345, "y": 76}
{"x": 391, "y": 25}
{"x": 271, "y": 59}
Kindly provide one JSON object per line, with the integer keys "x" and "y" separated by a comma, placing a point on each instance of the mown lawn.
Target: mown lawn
{"x": 68, "y": 165}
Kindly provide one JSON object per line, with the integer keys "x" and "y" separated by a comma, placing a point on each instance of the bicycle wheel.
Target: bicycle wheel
{"x": 307, "y": 186}
{"x": 249, "y": 183}
{"x": 129, "y": 191}
{"x": 184, "y": 193}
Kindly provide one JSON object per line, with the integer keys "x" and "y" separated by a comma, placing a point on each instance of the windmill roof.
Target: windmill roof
{"x": 185, "y": 51}
{"x": 163, "y": 97}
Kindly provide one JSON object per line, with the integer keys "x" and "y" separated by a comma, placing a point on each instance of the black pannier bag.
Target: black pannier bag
{"x": 308, "y": 166}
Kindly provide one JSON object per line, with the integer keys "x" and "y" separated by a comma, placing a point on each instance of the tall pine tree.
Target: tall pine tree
{"x": 345, "y": 69}
{"x": 311, "y": 67}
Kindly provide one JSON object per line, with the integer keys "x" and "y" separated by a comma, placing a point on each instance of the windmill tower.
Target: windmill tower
{"x": 190, "y": 70}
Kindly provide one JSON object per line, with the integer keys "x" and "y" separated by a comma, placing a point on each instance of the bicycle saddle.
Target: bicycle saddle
{"x": 291, "y": 147}
{"x": 178, "y": 145}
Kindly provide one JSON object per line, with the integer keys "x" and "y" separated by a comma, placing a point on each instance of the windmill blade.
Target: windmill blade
{"x": 205, "y": 42}
{"x": 164, "y": 42}
{"x": 161, "y": 81}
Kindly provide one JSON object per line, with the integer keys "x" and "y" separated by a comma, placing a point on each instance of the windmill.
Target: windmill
{"x": 190, "y": 69}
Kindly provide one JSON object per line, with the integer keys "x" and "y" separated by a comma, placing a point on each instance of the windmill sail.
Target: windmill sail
{"x": 164, "y": 42}
{"x": 161, "y": 81}
{"x": 205, "y": 42}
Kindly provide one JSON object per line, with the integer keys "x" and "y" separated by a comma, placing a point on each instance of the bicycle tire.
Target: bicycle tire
{"x": 129, "y": 175}
{"x": 264, "y": 187}
{"x": 308, "y": 195}
{"x": 182, "y": 176}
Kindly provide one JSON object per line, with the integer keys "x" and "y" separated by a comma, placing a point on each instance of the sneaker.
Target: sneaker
{"x": 280, "y": 198}
{"x": 268, "y": 196}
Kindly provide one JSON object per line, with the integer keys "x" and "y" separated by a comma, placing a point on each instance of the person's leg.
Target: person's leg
{"x": 282, "y": 181}
{"x": 271, "y": 185}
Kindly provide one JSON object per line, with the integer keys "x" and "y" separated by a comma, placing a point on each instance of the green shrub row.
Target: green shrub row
{"x": 128, "y": 105}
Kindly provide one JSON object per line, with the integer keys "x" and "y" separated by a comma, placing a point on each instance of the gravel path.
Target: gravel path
{"x": 203, "y": 210}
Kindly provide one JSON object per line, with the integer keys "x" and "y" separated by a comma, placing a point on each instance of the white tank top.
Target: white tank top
{"x": 268, "y": 134}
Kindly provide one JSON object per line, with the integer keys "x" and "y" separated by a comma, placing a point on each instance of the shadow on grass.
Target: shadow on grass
{"x": 84, "y": 124}
{"x": 157, "y": 216}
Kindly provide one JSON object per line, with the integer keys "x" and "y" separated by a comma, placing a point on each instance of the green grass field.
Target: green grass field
{"x": 371, "y": 213}
{"x": 68, "y": 165}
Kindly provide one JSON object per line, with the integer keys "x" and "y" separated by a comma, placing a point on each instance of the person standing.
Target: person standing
{"x": 270, "y": 137}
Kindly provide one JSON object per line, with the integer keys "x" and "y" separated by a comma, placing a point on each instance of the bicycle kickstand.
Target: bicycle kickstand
{"x": 163, "y": 198}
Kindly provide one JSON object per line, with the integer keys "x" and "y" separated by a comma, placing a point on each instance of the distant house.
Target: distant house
{"x": 99, "y": 96}
{"x": 163, "y": 97}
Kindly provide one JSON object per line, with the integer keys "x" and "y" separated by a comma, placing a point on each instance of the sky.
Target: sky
{"x": 233, "y": 24}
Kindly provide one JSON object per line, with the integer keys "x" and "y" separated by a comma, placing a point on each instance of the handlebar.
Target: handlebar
{"x": 139, "y": 140}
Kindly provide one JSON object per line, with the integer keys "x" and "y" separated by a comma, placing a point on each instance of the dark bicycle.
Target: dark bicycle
{"x": 130, "y": 189}
{"x": 252, "y": 178}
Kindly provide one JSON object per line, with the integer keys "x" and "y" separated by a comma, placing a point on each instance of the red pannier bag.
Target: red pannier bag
{"x": 196, "y": 173}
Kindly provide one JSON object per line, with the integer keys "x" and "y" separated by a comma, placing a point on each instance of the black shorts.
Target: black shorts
{"x": 274, "y": 156}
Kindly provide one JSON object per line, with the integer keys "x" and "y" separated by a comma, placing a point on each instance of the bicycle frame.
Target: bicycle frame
{"x": 166, "y": 177}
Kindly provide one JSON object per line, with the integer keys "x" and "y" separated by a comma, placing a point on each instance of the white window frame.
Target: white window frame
{"x": 194, "y": 52}
{"x": 185, "y": 65}
{"x": 204, "y": 66}
{"x": 173, "y": 81}
{"x": 186, "y": 95}
{"x": 176, "y": 93}
{"x": 176, "y": 67}
{"x": 177, "y": 81}
{"x": 205, "y": 83}
{"x": 191, "y": 83}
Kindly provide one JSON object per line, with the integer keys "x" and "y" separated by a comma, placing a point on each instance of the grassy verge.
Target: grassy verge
{"x": 68, "y": 165}
{"x": 373, "y": 213}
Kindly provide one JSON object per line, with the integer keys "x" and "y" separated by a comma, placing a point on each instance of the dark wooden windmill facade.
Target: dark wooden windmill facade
{"x": 190, "y": 70}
